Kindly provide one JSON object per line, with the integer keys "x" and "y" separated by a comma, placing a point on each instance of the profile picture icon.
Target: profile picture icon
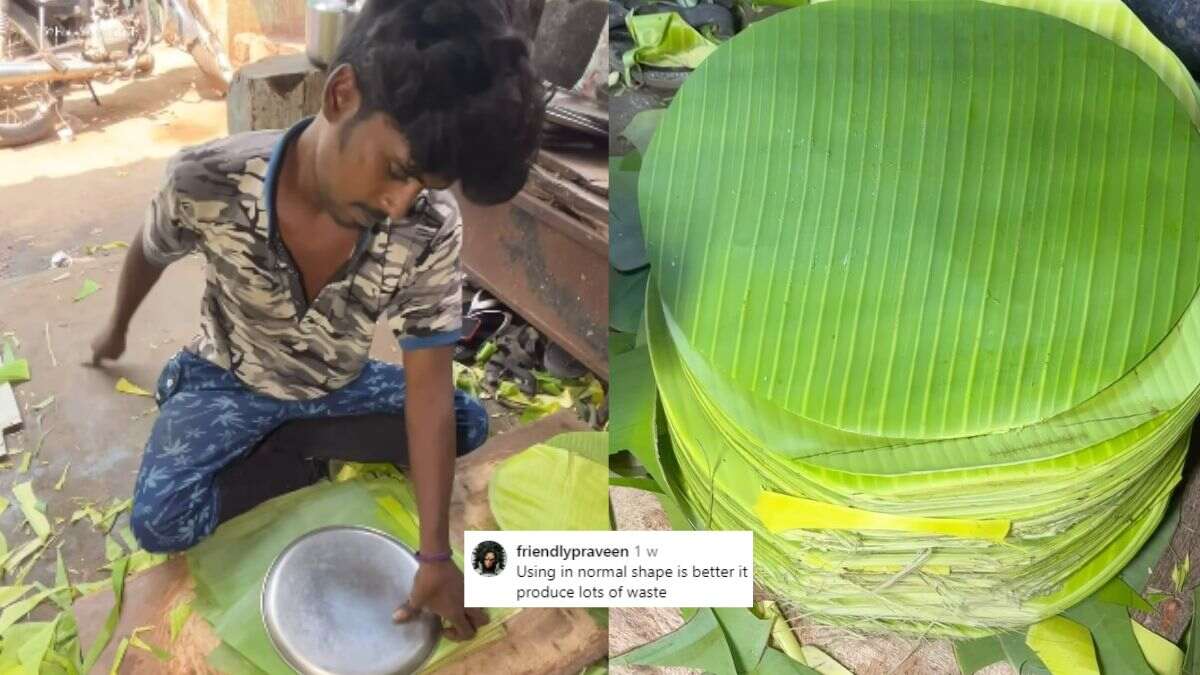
{"x": 488, "y": 559}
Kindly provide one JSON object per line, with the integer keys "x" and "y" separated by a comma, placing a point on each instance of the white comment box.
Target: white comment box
{"x": 608, "y": 569}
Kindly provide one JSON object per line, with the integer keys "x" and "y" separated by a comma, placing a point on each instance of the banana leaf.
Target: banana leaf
{"x": 664, "y": 39}
{"x": 821, "y": 299}
{"x": 627, "y": 250}
{"x": 550, "y": 488}
{"x": 935, "y": 339}
{"x": 229, "y": 566}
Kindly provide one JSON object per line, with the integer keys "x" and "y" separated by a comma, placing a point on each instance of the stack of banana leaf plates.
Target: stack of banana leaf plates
{"x": 922, "y": 312}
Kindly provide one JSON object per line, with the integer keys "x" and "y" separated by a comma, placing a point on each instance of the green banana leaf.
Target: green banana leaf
{"x": 822, "y": 299}
{"x": 229, "y": 566}
{"x": 664, "y": 39}
{"x": 934, "y": 337}
{"x": 550, "y": 488}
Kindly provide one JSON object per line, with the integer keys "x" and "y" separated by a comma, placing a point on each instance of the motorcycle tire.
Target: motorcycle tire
{"x": 41, "y": 124}
{"x": 31, "y": 130}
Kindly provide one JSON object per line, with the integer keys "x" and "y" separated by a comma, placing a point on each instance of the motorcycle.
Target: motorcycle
{"x": 48, "y": 46}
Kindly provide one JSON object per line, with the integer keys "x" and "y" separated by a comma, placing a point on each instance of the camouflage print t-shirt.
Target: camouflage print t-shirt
{"x": 255, "y": 319}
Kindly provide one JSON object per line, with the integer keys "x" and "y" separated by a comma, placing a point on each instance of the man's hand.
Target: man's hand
{"x": 438, "y": 587}
{"x": 108, "y": 345}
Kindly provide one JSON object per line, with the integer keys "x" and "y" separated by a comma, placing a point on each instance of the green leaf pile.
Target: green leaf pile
{"x": 922, "y": 307}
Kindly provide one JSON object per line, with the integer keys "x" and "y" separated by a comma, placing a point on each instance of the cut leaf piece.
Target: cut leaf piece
{"x": 31, "y": 509}
{"x": 783, "y": 512}
{"x": 135, "y": 640}
{"x": 548, "y": 488}
{"x": 782, "y": 636}
{"x": 114, "y": 616}
{"x": 89, "y": 287}
{"x": 62, "y": 480}
{"x": 699, "y": 643}
{"x": 33, "y": 652}
{"x": 1064, "y": 646}
{"x": 975, "y": 655}
{"x": 746, "y": 635}
{"x": 775, "y": 662}
{"x": 179, "y": 616}
{"x": 14, "y": 371}
{"x": 1162, "y": 654}
{"x": 823, "y": 663}
{"x": 126, "y": 387}
{"x": 1192, "y": 664}
{"x": 119, "y": 656}
{"x": 1118, "y": 592}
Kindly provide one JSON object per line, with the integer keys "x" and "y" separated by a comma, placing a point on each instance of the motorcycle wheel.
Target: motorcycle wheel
{"x": 27, "y": 116}
{"x": 28, "y": 111}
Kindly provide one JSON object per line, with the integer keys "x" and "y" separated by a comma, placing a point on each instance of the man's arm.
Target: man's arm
{"x": 429, "y": 417}
{"x": 165, "y": 236}
{"x": 138, "y": 276}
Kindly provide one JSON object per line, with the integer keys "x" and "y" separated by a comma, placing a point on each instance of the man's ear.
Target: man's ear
{"x": 341, "y": 97}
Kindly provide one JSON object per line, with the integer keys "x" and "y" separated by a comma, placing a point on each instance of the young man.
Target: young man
{"x": 310, "y": 236}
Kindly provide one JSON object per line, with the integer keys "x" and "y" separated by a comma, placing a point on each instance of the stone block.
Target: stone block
{"x": 274, "y": 93}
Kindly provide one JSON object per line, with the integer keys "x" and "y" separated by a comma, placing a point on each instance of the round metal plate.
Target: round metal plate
{"x": 328, "y": 601}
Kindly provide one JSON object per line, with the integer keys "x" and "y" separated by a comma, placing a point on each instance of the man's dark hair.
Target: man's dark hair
{"x": 457, "y": 78}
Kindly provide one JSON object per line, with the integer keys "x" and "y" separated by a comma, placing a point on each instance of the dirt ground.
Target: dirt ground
{"x": 57, "y": 195}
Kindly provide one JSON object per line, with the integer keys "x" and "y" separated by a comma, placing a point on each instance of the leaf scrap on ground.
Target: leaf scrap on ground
{"x": 1180, "y": 572}
{"x": 128, "y": 538}
{"x": 20, "y": 554}
{"x": 32, "y": 510}
{"x": 112, "y": 550}
{"x": 135, "y": 640}
{"x": 89, "y": 511}
{"x": 93, "y": 249}
{"x": 485, "y": 353}
{"x": 10, "y": 594}
{"x": 141, "y": 560}
{"x": 18, "y": 610}
{"x": 14, "y": 371}
{"x": 33, "y": 652}
{"x": 126, "y": 387}
{"x": 179, "y": 616}
{"x": 114, "y": 615}
{"x": 122, "y": 647}
{"x": 89, "y": 287}
{"x": 112, "y": 512}
{"x": 62, "y": 480}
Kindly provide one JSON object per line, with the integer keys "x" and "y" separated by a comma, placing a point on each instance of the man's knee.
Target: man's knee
{"x": 158, "y": 530}
{"x": 147, "y": 537}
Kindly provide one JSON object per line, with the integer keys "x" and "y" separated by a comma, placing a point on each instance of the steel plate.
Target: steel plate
{"x": 328, "y": 601}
